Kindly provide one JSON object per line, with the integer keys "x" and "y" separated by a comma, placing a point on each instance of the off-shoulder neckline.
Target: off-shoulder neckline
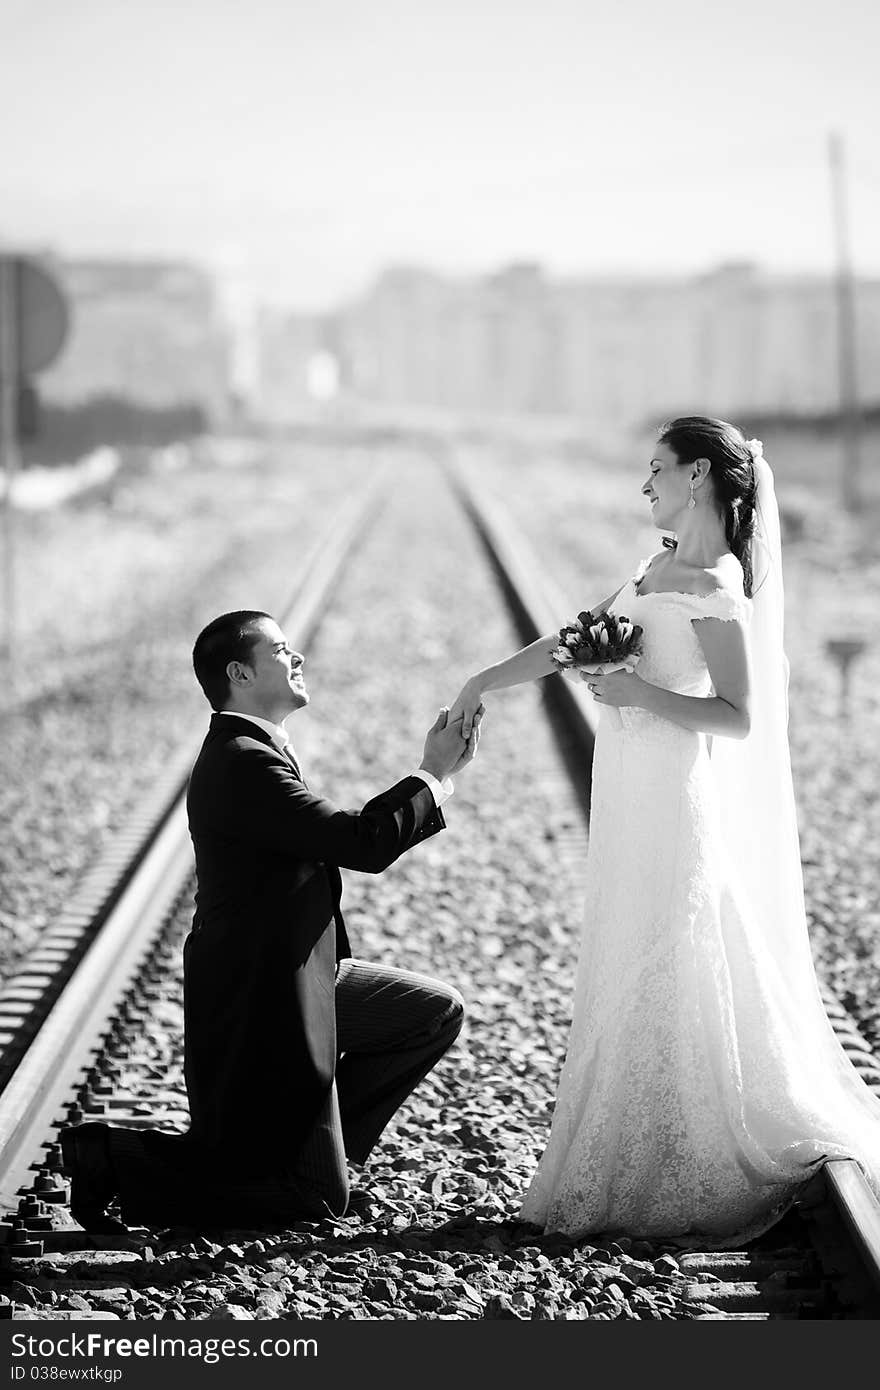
{"x": 676, "y": 593}
{"x": 685, "y": 593}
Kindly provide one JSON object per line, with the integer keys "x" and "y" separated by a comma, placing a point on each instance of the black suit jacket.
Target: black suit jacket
{"x": 260, "y": 961}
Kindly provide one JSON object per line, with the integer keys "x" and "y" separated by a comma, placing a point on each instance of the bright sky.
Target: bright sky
{"x": 318, "y": 140}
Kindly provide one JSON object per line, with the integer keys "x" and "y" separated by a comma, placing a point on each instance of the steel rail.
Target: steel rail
{"x": 859, "y": 1210}
{"x": 28, "y": 994}
{"x": 57, "y": 1054}
{"x": 538, "y": 609}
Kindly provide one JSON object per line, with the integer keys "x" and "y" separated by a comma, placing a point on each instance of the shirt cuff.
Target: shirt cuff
{"x": 441, "y": 791}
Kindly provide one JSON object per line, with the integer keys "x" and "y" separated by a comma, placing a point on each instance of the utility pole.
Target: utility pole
{"x": 846, "y": 332}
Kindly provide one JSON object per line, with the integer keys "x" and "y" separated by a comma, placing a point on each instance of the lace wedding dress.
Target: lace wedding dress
{"x": 703, "y": 1084}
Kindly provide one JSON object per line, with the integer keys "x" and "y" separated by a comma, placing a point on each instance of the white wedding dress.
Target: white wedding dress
{"x": 703, "y": 1084}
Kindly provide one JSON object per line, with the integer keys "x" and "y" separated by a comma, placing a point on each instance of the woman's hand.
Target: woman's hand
{"x": 473, "y": 743}
{"x": 467, "y": 704}
{"x": 618, "y": 688}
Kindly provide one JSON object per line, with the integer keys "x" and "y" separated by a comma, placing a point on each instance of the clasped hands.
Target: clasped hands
{"x": 448, "y": 748}
{"x": 454, "y": 737}
{"x": 617, "y": 688}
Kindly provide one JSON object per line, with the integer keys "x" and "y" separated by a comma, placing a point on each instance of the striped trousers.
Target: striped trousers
{"x": 392, "y": 1027}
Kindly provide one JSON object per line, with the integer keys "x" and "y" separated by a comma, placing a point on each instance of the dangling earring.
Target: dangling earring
{"x": 693, "y": 501}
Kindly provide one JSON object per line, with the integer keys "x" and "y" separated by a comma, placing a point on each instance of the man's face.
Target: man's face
{"x": 275, "y": 680}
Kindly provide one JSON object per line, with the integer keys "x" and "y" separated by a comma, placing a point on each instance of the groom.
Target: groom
{"x": 296, "y": 1053}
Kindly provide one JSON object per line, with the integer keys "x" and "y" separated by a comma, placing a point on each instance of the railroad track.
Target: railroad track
{"x": 102, "y": 975}
{"x": 54, "y": 1010}
{"x": 823, "y": 1259}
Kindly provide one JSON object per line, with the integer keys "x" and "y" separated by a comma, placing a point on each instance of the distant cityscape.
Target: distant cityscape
{"x": 621, "y": 350}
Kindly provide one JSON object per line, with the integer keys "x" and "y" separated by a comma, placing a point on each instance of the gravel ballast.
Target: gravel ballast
{"x": 589, "y": 527}
{"x": 493, "y": 906}
{"x": 112, "y": 591}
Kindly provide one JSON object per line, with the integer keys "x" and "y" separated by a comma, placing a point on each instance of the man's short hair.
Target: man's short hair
{"x": 231, "y": 637}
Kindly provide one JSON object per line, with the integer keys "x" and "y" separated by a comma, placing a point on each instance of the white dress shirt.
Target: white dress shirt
{"x": 441, "y": 791}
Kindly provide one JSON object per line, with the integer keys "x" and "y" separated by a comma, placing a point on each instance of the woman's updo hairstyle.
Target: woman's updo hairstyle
{"x": 732, "y": 476}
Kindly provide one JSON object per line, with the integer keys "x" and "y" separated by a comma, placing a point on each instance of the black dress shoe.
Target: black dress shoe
{"x": 359, "y": 1198}
{"x": 85, "y": 1153}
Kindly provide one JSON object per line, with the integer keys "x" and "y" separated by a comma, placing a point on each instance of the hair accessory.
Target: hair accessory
{"x": 755, "y": 448}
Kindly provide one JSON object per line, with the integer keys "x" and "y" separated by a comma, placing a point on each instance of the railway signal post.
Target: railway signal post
{"x": 34, "y": 321}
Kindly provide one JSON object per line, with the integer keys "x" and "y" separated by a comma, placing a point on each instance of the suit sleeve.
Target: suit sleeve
{"x": 274, "y": 809}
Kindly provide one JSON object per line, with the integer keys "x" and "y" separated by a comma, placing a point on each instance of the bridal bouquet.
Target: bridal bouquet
{"x": 597, "y": 646}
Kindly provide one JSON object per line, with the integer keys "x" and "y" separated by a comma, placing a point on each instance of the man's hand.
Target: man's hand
{"x": 445, "y": 749}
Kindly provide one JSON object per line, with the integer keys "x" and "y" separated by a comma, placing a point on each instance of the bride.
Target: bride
{"x": 703, "y": 1084}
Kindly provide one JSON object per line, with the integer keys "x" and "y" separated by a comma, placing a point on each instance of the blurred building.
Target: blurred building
{"x": 298, "y": 355}
{"x": 150, "y": 332}
{"x": 734, "y": 341}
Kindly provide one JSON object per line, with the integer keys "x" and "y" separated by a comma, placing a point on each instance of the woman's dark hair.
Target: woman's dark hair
{"x": 231, "y": 637}
{"x": 732, "y": 476}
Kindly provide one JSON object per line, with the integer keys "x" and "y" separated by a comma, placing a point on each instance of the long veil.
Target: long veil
{"x": 760, "y": 834}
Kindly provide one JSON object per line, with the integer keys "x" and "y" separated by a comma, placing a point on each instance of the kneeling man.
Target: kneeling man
{"x": 296, "y": 1053}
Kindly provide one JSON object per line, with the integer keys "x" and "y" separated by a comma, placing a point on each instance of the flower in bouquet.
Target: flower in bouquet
{"x": 597, "y": 646}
